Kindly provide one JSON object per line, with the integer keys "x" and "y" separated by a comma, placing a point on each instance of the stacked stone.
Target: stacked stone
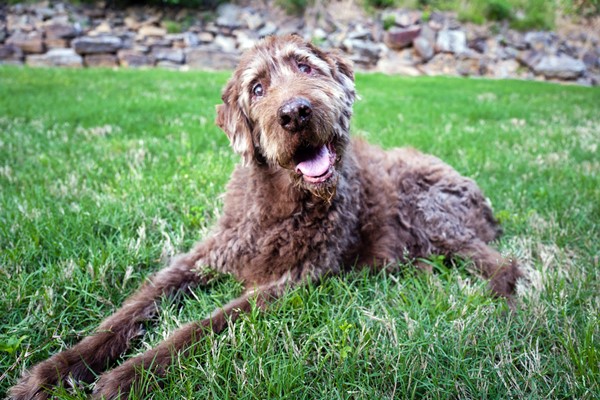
{"x": 441, "y": 45}
{"x": 64, "y": 35}
{"x": 396, "y": 41}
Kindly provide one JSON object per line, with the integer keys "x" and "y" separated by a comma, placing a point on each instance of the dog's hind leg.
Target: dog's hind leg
{"x": 501, "y": 272}
{"x": 119, "y": 382}
{"x": 97, "y": 352}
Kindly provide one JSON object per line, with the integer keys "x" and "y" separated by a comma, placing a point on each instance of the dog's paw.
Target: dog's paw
{"x": 32, "y": 386}
{"x": 115, "y": 384}
{"x": 504, "y": 281}
{"x": 62, "y": 369}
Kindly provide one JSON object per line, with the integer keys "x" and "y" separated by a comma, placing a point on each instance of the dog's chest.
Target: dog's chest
{"x": 259, "y": 247}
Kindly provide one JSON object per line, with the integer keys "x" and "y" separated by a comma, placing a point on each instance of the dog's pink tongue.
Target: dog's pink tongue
{"x": 317, "y": 165}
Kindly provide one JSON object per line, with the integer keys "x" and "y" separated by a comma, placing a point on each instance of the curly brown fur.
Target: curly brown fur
{"x": 306, "y": 202}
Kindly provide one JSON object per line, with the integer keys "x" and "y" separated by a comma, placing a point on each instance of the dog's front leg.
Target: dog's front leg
{"x": 97, "y": 352}
{"x": 119, "y": 382}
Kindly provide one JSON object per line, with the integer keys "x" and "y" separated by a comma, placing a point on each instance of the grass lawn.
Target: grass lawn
{"x": 105, "y": 174}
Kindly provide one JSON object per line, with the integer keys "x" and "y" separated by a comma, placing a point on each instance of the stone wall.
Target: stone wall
{"x": 65, "y": 35}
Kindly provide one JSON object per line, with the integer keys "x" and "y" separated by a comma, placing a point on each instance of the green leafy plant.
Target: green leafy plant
{"x": 498, "y": 10}
{"x": 388, "y": 22}
{"x": 294, "y": 7}
{"x": 12, "y": 344}
{"x": 172, "y": 26}
{"x": 380, "y": 3}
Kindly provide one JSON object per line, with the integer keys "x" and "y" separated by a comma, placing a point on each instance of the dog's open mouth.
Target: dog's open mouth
{"x": 315, "y": 164}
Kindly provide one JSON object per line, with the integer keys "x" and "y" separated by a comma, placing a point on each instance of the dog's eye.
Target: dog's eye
{"x": 258, "y": 90}
{"x": 304, "y": 68}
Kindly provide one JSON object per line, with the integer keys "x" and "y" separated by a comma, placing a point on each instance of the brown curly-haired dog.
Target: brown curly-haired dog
{"x": 307, "y": 202}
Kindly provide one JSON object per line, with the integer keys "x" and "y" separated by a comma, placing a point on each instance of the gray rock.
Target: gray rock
{"x": 428, "y": 33}
{"x": 24, "y": 23}
{"x": 363, "y": 51}
{"x": 441, "y": 64}
{"x": 131, "y": 23}
{"x": 229, "y": 16}
{"x": 127, "y": 40}
{"x": 594, "y": 79}
{"x": 225, "y": 43}
{"x": 294, "y": 26}
{"x": 451, "y": 41}
{"x": 98, "y": 44}
{"x": 61, "y": 31}
{"x": 504, "y": 69}
{"x": 508, "y": 53}
{"x": 62, "y": 19}
{"x": 211, "y": 58}
{"x": 469, "y": 67}
{"x": 253, "y": 20}
{"x": 190, "y": 39}
{"x": 585, "y": 81}
{"x": 103, "y": 28}
{"x": 360, "y": 32}
{"x": 399, "y": 38}
{"x": 398, "y": 63}
{"x": 319, "y": 34}
{"x": 591, "y": 60}
{"x": 134, "y": 59}
{"x": 94, "y": 12}
{"x": 60, "y": 8}
{"x": 245, "y": 39}
{"x": 56, "y": 58}
{"x": 530, "y": 58}
{"x": 30, "y": 42}
{"x": 408, "y": 18}
{"x": 541, "y": 41}
{"x": 43, "y": 12}
{"x": 152, "y": 31}
{"x": 56, "y": 43}
{"x": 168, "y": 65}
{"x": 174, "y": 56}
{"x": 570, "y": 49}
{"x": 174, "y": 37}
{"x": 18, "y": 8}
{"x": 269, "y": 29}
{"x": 3, "y": 34}
{"x": 10, "y": 54}
{"x": 436, "y": 21}
{"x": 514, "y": 39}
{"x": 157, "y": 41}
{"x": 479, "y": 44}
{"x": 205, "y": 37}
{"x": 452, "y": 23}
{"x": 103, "y": 60}
{"x": 561, "y": 67}
{"x": 423, "y": 48}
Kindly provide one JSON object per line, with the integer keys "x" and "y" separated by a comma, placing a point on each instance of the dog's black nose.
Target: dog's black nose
{"x": 294, "y": 114}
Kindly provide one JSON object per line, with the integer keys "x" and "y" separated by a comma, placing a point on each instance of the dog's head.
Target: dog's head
{"x": 288, "y": 105}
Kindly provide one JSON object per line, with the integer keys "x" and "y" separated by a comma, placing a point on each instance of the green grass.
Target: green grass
{"x": 104, "y": 174}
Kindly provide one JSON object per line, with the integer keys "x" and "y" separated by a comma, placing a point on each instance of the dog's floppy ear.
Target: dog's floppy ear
{"x": 235, "y": 124}
{"x": 344, "y": 73}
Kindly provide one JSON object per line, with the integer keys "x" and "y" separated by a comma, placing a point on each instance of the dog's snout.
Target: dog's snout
{"x": 294, "y": 114}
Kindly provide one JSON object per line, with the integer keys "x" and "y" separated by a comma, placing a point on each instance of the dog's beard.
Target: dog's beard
{"x": 325, "y": 191}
